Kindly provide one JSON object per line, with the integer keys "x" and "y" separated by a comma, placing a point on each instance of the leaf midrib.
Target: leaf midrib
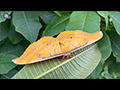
{"x": 84, "y": 20}
{"x": 59, "y": 23}
{"x": 115, "y": 45}
{"x": 27, "y": 25}
{"x": 61, "y": 64}
{"x": 114, "y": 18}
{"x": 45, "y": 15}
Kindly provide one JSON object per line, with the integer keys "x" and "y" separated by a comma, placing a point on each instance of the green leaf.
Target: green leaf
{"x": 3, "y": 41}
{"x": 105, "y": 15}
{"x": 106, "y": 74}
{"x": 113, "y": 66}
{"x": 1, "y": 17}
{"x": 58, "y": 13}
{"x": 4, "y": 29}
{"x": 115, "y": 39}
{"x": 5, "y": 63}
{"x": 116, "y": 75}
{"x": 96, "y": 71}
{"x": 9, "y": 48}
{"x": 9, "y": 74}
{"x": 14, "y": 36}
{"x": 27, "y": 23}
{"x": 80, "y": 66}
{"x": 116, "y": 20}
{"x": 46, "y": 16}
{"x": 104, "y": 46}
{"x": 117, "y": 58}
{"x": 56, "y": 25}
{"x": 87, "y": 21}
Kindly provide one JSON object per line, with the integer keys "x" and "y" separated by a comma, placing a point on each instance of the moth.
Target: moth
{"x": 63, "y": 45}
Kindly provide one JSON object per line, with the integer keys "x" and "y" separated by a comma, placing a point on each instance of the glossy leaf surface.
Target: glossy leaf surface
{"x": 56, "y": 25}
{"x": 115, "y": 40}
{"x": 4, "y": 29}
{"x": 87, "y": 21}
{"x": 115, "y": 15}
{"x": 80, "y": 66}
{"x": 104, "y": 46}
{"x": 5, "y": 63}
{"x": 105, "y": 15}
{"x": 27, "y": 23}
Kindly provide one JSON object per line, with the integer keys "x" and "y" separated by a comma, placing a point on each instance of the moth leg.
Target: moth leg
{"x": 63, "y": 58}
{"x": 71, "y": 55}
{"x": 68, "y": 56}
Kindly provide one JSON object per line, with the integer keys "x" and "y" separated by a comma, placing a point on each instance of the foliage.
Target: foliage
{"x": 25, "y": 27}
{"x": 76, "y": 67}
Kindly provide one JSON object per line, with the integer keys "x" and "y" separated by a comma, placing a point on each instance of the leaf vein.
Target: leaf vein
{"x": 114, "y": 18}
{"x": 59, "y": 22}
{"x": 27, "y": 24}
{"x": 84, "y": 20}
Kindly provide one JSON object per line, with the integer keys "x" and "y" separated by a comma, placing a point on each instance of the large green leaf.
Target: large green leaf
{"x": 56, "y": 12}
{"x": 56, "y": 25}
{"x": 9, "y": 48}
{"x": 5, "y": 63}
{"x": 14, "y": 36}
{"x": 27, "y": 23}
{"x": 104, "y": 46}
{"x": 9, "y": 74}
{"x": 115, "y": 40}
{"x": 87, "y": 21}
{"x": 4, "y": 29}
{"x": 113, "y": 66}
{"x": 116, "y": 20}
{"x": 80, "y": 66}
{"x": 96, "y": 71}
{"x": 113, "y": 69}
{"x": 105, "y": 15}
{"x": 46, "y": 16}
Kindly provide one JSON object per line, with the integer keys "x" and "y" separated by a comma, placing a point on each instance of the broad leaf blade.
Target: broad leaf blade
{"x": 104, "y": 46}
{"x": 9, "y": 48}
{"x": 5, "y": 63}
{"x": 115, "y": 43}
{"x": 96, "y": 71}
{"x": 105, "y": 15}
{"x": 112, "y": 65}
{"x": 116, "y": 20}
{"x": 56, "y": 25}
{"x": 87, "y": 21}
{"x": 46, "y": 16}
{"x": 56, "y": 12}
{"x": 80, "y": 66}
{"x": 4, "y": 29}
{"x": 27, "y": 23}
{"x": 14, "y": 36}
{"x": 9, "y": 74}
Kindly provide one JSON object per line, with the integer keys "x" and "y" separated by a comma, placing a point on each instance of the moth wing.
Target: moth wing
{"x": 64, "y": 40}
{"x": 81, "y": 38}
{"x": 43, "y": 49}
